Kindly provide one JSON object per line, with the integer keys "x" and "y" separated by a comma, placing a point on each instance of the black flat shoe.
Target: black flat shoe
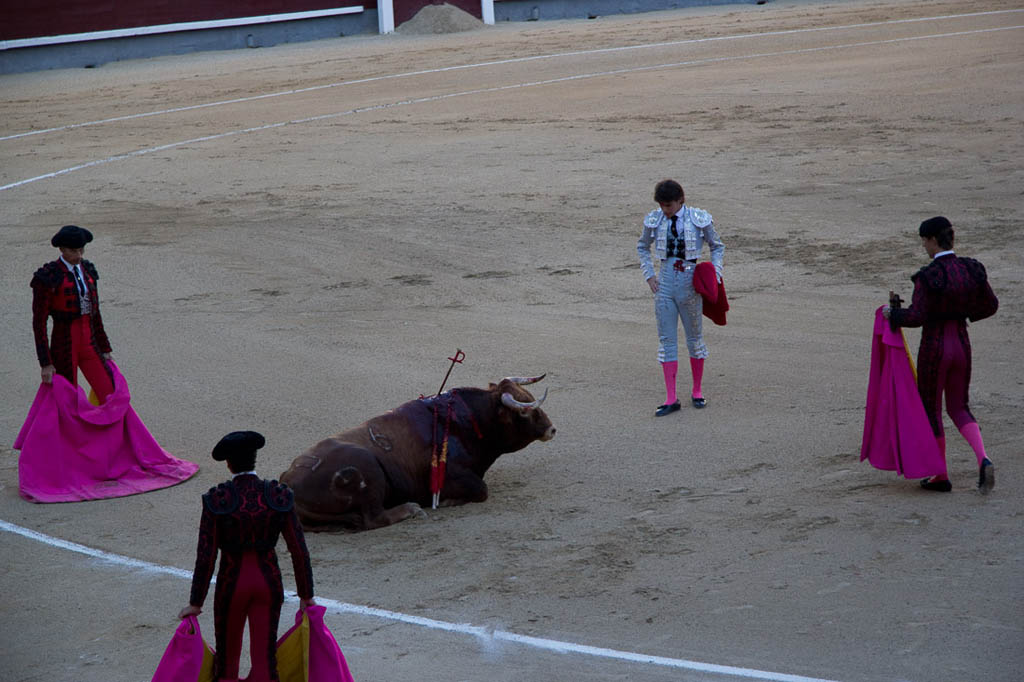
{"x": 986, "y": 476}
{"x": 699, "y": 403}
{"x": 667, "y": 409}
{"x": 937, "y": 486}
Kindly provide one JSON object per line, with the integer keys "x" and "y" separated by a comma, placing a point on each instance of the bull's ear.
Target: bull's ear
{"x": 492, "y": 386}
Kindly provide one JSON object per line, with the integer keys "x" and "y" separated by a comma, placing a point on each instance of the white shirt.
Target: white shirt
{"x": 83, "y": 299}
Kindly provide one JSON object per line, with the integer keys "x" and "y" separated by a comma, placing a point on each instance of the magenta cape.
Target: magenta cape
{"x": 308, "y": 651}
{"x": 897, "y": 435}
{"x": 72, "y": 450}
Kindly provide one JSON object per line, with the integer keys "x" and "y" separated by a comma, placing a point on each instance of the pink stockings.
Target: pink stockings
{"x": 697, "y": 369}
{"x": 953, "y": 378}
{"x": 670, "y": 369}
{"x": 972, "y": 434}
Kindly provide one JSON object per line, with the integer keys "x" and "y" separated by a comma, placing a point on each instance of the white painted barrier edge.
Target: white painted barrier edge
{"x": 480, "y": 633}
{"x": 171, "y": 28}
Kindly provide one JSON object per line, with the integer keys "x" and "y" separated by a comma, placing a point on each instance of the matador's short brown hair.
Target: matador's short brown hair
{"x": 668, "y": 190}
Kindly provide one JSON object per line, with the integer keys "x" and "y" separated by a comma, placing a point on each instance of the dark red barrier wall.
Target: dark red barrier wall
{"x": 36, "y": 18}
{"x": 407, "y": 9}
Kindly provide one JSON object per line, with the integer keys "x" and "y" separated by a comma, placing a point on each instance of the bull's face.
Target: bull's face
{"x": 520, "y": 415}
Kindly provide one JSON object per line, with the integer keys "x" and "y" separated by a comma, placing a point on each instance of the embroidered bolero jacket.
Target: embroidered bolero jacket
{"x": 55, "y": 295}
{"x": 695, "y": 226}
{"x": 948, "y": 288}
{"x": 249, "y": 513}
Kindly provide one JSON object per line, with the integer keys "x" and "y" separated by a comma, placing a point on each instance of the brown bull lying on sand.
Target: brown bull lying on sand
{"x": 379, "y": 473}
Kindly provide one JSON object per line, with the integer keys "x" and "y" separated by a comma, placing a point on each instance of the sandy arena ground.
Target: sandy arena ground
{"x": 313, "y": 253}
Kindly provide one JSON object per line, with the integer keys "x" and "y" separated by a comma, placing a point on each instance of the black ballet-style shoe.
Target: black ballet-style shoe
{"x": 699, "y": 403}
{"x": 986, "y": 476}
{"x": 937, "y": 486}
{"x": 667, "y": 409}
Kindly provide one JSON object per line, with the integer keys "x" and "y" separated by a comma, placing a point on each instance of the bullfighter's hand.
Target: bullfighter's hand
{"x": 885, "y": 311}
{"x": 653, "y": 284}
{"x": 306, "y": 603}
{"x": 189, "y": 610}
{"x": 47, "y": 374}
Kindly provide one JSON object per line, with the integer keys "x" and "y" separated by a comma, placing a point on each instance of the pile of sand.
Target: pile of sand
{"x": 440, "y": 19}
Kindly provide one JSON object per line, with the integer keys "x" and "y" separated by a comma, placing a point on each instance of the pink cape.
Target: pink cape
{"x": 897, "y": 435}
{"x": 187, "y": 657}
{"x": 72, "y": 450}
{"x": 321, "y": 659}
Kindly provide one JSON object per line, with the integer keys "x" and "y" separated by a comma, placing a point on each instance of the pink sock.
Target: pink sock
{"x": 972, "y": 434}
{"x": 697, "y": 369}
{"x": 670, "y": 369}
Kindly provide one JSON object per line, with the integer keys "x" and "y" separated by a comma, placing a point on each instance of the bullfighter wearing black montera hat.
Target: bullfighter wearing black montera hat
{"x": 243, "y": 518}
{"x": 65, "y": 289}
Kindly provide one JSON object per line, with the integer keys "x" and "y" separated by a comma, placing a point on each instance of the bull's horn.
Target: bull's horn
{"x": 525, "y": 381}
{"x": 508, "y": 401}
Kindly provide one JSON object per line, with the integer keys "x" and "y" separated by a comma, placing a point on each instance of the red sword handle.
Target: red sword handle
{"x": 458, "y": 358}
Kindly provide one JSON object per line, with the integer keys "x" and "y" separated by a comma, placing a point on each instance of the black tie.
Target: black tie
{"x": 78, "y": 280}
{"x": 675, "y": 235}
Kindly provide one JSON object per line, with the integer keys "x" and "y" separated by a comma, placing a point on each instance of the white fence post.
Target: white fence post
{"x": 385, "y": 16}
{"x": 487, "y": 11}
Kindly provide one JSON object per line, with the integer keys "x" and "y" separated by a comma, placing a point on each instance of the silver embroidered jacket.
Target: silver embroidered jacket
{"x": 694, "y": 226}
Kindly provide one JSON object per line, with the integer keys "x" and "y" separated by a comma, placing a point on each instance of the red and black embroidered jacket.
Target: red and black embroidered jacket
{"x": 55, "y": 295}
{"x": 948, "y": 288}
{"x": 249, "y": 514}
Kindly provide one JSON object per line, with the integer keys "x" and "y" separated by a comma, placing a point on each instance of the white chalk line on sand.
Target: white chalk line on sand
{"x": 480, "y": 633}
{"x": 465, "y": 93}
{"x": 500, "y": 62}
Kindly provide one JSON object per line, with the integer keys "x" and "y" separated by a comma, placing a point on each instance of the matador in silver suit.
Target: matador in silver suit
{"x": 678, "y": 238}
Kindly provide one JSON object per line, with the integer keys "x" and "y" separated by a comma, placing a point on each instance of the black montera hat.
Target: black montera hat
{"x": 72, "y": 237}
{"x": 238, "y": 443}
{"x": 933, "y": 227}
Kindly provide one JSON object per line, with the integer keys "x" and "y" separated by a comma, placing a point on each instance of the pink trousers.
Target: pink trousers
{"x": 952, "y": 379}
{"x": 252, "y": 601}
{"x": 85, "y": 358}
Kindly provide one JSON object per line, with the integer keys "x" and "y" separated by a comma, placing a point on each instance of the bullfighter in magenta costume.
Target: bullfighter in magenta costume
{"x": 243, "y": 518}
{"x": 948, "y": 292}
{"x": 678, "y": 233}
{"x": 66, "y": 290}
